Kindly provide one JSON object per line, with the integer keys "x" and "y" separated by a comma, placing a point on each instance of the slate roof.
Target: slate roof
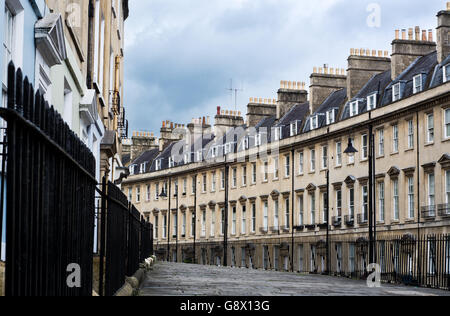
{"x": 297, "y": 113}
{"x": 334, "y": 101}
{"x": 422, "y": 65}
{"x": 438, "y": 74}
{"x": 146, "y": 157}
{"x": 376, "y": 84}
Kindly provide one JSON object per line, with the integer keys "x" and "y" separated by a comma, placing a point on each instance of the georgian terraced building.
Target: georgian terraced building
{"x": 257, "y": 191}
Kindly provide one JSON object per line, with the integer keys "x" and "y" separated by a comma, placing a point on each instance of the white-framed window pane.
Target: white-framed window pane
{"x": 395, "y": 199}
{"x": 301, "y": 163}
{"x": 447, "y": 123}
{"x": 381, "y": 142}
{"x": 338, "y": 154}
{"x": 410, "y": 134}
{"x": 395, "y": 138}
{"x": 381, "y": 201}
{"x": 411, "y": 197}
{"x": 430, "y": 128}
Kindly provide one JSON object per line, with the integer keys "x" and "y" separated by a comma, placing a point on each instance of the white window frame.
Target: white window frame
{"x": 234, "y": 177}
{"x": 411, "y": 208}
{"x": 212, "y": 232}
{"x": 324, "y": 157}
{"x": 395, "y": 139}
{"x": 203, "y": 223}
{"x": 301, "y": 162}
{"x": 395, "y": 200}
{"x": 276, "y": 164}
{"x": 157, "y": 192}
{"x": 410, "y": 134}
{"x": 301, "y": 210}
{"x": 447, "y": 187}
{"x": 372, "y": 102}
{"x": 431, "y": 192}
{"x": 338, "y": 154}
{"x": 446, "y": 73}
{"x": 278, "y": 133}
{"x": 430, "y": 128}
{"x": 354, "y": 108}
{"x": 222, "y": 180}
{"x": 381, "y": 201}
{"x": 287, "y": 166}
{"x": 233, "y": 223}
{"x": 204, "y": 183}
{"x": 381, "y": 142}
{"x": 365, "y": 147}
{"x": 253, "y": 229}
{"x": 447, "y": 123}
{"x": 266, "y": 171}
{"x": 149, "y": 193}
{"x": 351, "y": 204}
{"x": 331, "y": 116}
{"x": 287, "y": 213}
{"x": 313, "y": 160}
{"x": 294, "y": 128}
{"x": 417, "y": 83}
{"x": 312, "y": 197}
{"x": 396, "y": 92}
{"x": 254, "y": 175}
{"x": 276, "y": 213}
{"x": 213, "y": 182}
{"x": 158, "y": 164}
{"x": 244, "y": 176}
{"x": 314, "y": 121}
{"x": 266, "y": 216}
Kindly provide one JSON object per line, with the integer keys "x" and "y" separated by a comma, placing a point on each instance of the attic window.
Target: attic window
{"x": 132, "y": 170}
{"x": 294, "y": 128}
{"x": 354, "y": 108}
{"x": 199, "y": 156}
{"x": 447, "y": 73}
{"x": 417, "y": 84}
{"x": 143, "y": 167}
{"x": 314, "y": 122}
{"x": 258, "y": 139}
{"x": 214, "y": 152}
{"x": 158, "y": 165}
{"x": 396, "y": 92}
{"x": 171, "y": 162}
{"x": 227, "y": 149}
{"x": 372, "y": 102}
{"x": 278, "y": 133}
{"x": 245, "y": 143}
{"x": 187, "y": 158}
{"x": 331, "y": 116}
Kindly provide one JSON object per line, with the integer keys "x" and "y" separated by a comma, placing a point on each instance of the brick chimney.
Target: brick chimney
{"x": 363, "y": 64}
{"x": 325, "y": 81}
{"x": 258, "y": 109}
{"x": 141, "y": 142}
{"x": 290, "y": 94}
{"x": 225, "y": 120}
{"x": 406, "y": 50}
{"x": 443, "y": 34}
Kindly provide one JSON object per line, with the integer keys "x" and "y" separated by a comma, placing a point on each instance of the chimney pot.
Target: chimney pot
{"x": 424, "y": 35}
{"x": 403, "y": 34}
{"x": 352, "y": 51}
{"x": 430, "y": 35}
{"x": 274, "y": 101}
{"x": 397, "y": 34}
{"x": 448, "y": 6}
{"x": 315, "y": 70}
{"x": 417, "y": 31}
{"x": 218, "y": 108}
{"x": 410, "y": 34}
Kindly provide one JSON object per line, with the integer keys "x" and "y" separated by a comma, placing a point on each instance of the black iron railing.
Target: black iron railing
{"x": 48, "y": 175}
{"x": 429, "y": 211}
{"x": 50, "y": 198}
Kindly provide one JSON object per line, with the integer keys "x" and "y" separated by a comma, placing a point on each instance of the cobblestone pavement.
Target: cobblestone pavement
{"x": 171, "y": 279}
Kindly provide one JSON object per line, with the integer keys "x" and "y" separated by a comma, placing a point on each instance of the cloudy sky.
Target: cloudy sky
{"x": 181, "y": 55}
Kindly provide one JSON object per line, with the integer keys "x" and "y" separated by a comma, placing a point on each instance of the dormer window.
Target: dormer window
{"x": 294, "y": 128}
{"x": 199, "y": 156}
{"x": 396, "y": 92}
{"x": 258, "y": 139}
{"x": 245, "y": 143}
{"x": 227, "y": 148}
{"x": 372, "y": 102}
{"x": 143, "y": 167}
{"x": 314, "y": 122}
{"x": 158, "y": 164}
{"x": 417, "y": 84}
{"x": 171, "y": 162}
{"x": 446, "y": 73}
{"x": 187, "y": 158}
{"x": 331, "y": 116}
{"x": 354, "y": 108}
{"x": 278, "y": 133}
{"x": 214, "y": 151}
{"x": 132, "y": 169}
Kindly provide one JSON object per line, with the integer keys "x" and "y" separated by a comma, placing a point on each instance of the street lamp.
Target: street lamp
{"x": 164, "y": 194}
{"x": 351, "y": 151}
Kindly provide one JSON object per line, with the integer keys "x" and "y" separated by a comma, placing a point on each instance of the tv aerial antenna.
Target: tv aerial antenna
{"x": 235, "y": 91}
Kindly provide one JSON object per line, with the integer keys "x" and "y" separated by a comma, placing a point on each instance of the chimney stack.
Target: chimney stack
{"x": 226, "y": 120}
{"x": 322, "y": 85}
{"x": 362, "y": 68}
{"x": 141, "y": 142}
{"x": 443, "y": 34}
{"x": 289, "y": 95}
{"x": 406, "y": 51}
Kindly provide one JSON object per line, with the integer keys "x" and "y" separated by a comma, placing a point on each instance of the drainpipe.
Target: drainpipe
{"x": 169, "y": 212}
{"x": 90, "y": 44}
{"x": 419, "y": 266}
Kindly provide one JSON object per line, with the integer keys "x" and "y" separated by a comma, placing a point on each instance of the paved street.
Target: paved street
{"x": 170, "y": 279}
